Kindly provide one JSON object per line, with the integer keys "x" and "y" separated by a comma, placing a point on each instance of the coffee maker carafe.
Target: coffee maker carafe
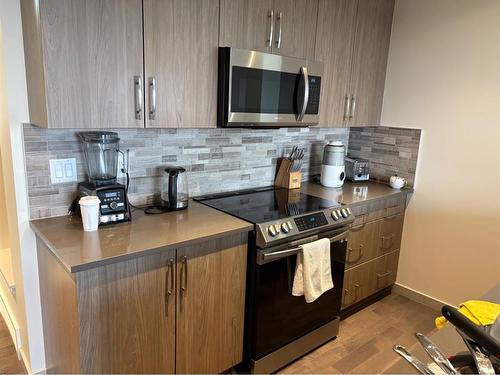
{"x": 175, "y": 194}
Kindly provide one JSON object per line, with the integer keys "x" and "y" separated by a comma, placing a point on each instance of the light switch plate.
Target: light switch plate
{"x": 62, "y": 170}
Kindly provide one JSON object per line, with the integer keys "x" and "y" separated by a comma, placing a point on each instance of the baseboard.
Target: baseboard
{"x": 419, "y": 297}
{"x": 12, "y": 326}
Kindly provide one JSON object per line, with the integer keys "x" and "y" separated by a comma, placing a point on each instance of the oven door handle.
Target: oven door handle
{"x": 265, "y": 257}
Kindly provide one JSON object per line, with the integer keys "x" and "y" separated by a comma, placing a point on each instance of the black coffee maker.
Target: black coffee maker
{"x": 174, "y": 193}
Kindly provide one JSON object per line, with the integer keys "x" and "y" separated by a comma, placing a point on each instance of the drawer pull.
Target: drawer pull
{"x": 169, "y": 286}
{"x": 390, "y": 218}
{"x": 358, "y": 227}
{"x": 346, "y": 292}
{"x": 387, "y": 238}
{"x": 350, "y": 251}
{"x": 385, "y": 274}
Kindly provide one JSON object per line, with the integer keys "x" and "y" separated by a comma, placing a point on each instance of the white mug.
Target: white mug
{"x": 397, "y": 182}
{"x": 89, "y": 208}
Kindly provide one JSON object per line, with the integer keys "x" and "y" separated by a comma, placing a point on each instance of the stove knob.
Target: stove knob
{"x": 339, "y": 214}
{"x": 113, "y": 205}
{"x": 348, "y": 210}
{"x": 335, "y": 216}
{"x": 284, "y": 228}
{"x": 344, "y": 212}
{"x": 272, "y": 230}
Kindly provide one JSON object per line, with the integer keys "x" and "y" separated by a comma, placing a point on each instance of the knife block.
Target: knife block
{"x": 285, "y": 178}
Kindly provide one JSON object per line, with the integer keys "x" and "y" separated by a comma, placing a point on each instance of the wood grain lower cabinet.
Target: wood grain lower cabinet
{"x": 210, "y": 305}
{"x": 383, "y": 272}
{"x": 389, "y": 231}
{"x": 177, "y": 310}
{"x": 356, "y": 285}
{"x": 361, "y": 244}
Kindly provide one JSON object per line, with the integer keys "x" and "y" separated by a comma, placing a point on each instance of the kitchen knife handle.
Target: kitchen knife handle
{"x": 463, "y": 323}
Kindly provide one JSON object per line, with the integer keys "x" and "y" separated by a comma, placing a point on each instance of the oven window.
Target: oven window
{"x": 263, "y": 91}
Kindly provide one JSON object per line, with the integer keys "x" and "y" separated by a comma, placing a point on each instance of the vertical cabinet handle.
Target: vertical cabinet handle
{"x": 347, "y": 107}
{"x": 169, "y": 286}
{"x": 353, "y": 107}
{"x": 358, "y": 258}
{"x": 269, "y": 40}
{"x": 184, "y": 274}
{"x": 279, "y": 19}
{"x": 138, "y": 97}
{"x": 152, "y": 97}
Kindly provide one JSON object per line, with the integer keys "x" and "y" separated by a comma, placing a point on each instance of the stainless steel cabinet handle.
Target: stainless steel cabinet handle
{"x": 353, "y": 107}
{"x": 387, "y": 238}
{"x": 169, "y": 288}
{"x": 185, "y": 274}
{"x": 351, "y": 250}
{"x": 305, "y": 77}
{"x": 385, "y": 274}
{"x": 152, "y": 98}
{"x": 138, "y": 97}
{"x": 347, "y": 107}
{"x": 279, "y": 19}
{"x": 269, "y": 41}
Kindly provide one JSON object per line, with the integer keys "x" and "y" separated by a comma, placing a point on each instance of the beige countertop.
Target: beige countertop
{"x": 353, "y": 193}
{"x": 78, "y": 250}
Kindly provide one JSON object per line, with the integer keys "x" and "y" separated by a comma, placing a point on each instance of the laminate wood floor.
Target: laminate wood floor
{"x": 366, "y": 339}
{"x": 9, "y": 364}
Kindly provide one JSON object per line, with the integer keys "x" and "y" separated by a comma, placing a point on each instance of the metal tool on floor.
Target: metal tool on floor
{"x": 415, "y": 362}
{"x": 436, "y": 354}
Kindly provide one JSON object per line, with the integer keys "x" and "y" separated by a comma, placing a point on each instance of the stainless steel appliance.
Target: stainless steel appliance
{"x": 101, "y": 151}
{"x": 333, "y": 165}
{"x": 357, "y": 169}
{"x": 261, "y": 90}
{"x": 174, "y": 193}
{"x": 279, "y": 327}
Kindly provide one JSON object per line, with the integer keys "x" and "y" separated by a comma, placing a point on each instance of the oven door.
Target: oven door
{"x": 261, "y": 89}
{"x": 278, "y": 317}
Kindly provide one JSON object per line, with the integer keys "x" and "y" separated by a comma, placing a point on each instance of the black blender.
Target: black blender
{"x": 101, "y": 151}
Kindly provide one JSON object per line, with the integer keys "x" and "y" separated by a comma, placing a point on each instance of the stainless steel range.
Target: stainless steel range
{"x": 279, "y": 327}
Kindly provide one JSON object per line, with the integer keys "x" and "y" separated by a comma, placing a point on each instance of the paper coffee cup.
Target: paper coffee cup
{"x": 89, "y": 208}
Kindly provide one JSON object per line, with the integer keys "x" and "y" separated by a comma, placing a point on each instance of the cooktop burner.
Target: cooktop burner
{"x": 267, "y": 204}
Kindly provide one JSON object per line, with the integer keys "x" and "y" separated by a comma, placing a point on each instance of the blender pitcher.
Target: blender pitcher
{"x": 101, "y": 154}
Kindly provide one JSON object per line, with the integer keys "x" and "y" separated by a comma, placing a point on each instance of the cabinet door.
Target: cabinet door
{"x": 180, "y": 44}
{"x": 92, "y": 50}
{"x": 210, "y": 308}
{"x": 382, "y": 272}
{"x": 361, "y": 245}
{"x": 334, "y": 44}
{"x": 247, "y": 24}
{"x": 356, "y": 285}
{"x": 295, "y": 28}
{"x": 371, "y": 48}
{"x": 390, "y": 230}
{"x": 127, "y": 316}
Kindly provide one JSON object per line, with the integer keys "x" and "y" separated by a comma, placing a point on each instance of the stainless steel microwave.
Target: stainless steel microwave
{"x": 257, "y": 89}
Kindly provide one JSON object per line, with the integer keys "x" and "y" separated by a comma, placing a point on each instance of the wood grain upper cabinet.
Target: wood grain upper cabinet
{"x": 246, "y": 24}
{"x": 371, "y": 49}
{"x": 334, "y": 44}
{"x": 210, "y": 308}
{"x": 284, "y": 27}
{"x": 127, "y": 316}
{"x": 295, "y": 28}
{"x": 180, "y": 47}
{"x": 82, "y": 57}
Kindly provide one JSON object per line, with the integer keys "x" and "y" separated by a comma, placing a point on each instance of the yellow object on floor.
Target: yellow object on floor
{"x": 479, "y": 312}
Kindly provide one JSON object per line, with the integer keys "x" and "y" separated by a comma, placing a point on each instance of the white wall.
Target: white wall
{"x": 14, "y": 111}
{"x": 444, "y": 77}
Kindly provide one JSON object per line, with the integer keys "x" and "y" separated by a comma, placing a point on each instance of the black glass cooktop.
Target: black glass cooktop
{"x": 261, "y": 205}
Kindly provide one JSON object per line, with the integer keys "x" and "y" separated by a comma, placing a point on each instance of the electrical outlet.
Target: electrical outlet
{"x": 62, "y": 170}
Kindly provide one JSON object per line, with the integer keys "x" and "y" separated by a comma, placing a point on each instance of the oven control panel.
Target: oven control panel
{"x": 280, "y": 230}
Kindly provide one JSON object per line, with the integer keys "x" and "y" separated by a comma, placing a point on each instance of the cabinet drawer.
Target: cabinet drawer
{"x": 382, "y": 272}
{"x": 362, "y": 244}
{"x": 386, "y": 207}
{"x": 356, "y": 285}
{"x": 390, "y": 230}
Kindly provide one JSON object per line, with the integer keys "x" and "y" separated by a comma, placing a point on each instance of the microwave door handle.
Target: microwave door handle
{"x": 305, "y": 77}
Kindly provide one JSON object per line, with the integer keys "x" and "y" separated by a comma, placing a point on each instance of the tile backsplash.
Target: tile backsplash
{"x": 217, "y": 160}
{"x": 390, "y": 151}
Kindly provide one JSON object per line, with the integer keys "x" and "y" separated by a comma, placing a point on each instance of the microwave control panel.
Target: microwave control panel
{"x": 314, "y": 93}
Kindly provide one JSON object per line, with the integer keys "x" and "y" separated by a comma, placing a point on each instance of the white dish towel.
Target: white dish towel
{"x": 313, "y": 273}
